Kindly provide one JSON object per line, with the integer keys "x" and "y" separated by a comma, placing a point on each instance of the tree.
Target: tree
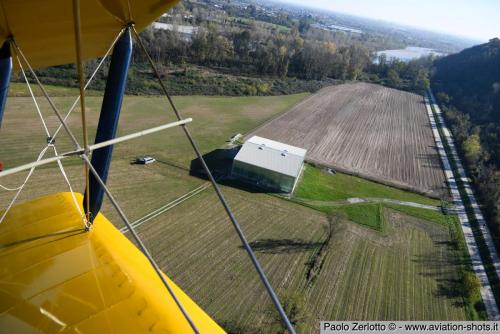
{"x": 304, "y": 24}
{"x": 472, "y": 287}
{"x": 443, "y": 97}
{"x": 283, "y": 61}
{"x": 199, "y": 46}
{"x": 472, "y": 148}
{"x": 242, "y": 43}
{"x": 294, "y": 305}
{"x": 393, "y": 78}
{"x": 252, "y": 10}
{"x": 421, "y": 81}
{"x": 359, "y": 57}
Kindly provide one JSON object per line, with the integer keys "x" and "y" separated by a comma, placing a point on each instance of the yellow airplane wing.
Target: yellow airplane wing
{"x": 57, "y": 278}
{"x": 44, "y": 30}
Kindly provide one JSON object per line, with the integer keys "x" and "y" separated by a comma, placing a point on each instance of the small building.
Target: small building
{"x": 185, "y": 32}
{"x": 269, "y": 164}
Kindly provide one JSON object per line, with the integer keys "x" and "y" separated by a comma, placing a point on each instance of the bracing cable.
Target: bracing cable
{"x": 221, "y": 197}
{"x": 140, "y": 243}
{"x": 44, "y": 91}
{"x": 53, "y": 137}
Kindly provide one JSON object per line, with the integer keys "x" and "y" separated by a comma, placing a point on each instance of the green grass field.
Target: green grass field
{"x": 366, "y": 214}
{"x": 215, "y": 120}
{"x": 331, "y": 193}
{"x": 429, "y": 215}
{"x": 319, "y": 261}
{"x": 319, "y": 185}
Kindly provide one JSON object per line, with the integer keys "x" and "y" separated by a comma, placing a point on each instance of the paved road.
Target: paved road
{"x": 477, "y": 264}
{"x": 478, "y": 215}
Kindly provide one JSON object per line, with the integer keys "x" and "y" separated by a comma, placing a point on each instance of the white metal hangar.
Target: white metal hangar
{"x": 269, "y": 164}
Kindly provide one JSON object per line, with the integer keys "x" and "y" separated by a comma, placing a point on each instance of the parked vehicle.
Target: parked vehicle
{"x": 145, "y": 160}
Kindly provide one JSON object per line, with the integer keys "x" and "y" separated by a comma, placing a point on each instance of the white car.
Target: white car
{"x": 145, "y": 160}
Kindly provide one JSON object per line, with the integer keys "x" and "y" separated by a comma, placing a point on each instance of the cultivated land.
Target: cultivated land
{"x": 366, "y": 129}
{"x": 403, "y": 267}
{"x": 409, "y": 271}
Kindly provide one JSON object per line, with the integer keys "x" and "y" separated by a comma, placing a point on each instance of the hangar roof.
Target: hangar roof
{"x": 272, "y": 155}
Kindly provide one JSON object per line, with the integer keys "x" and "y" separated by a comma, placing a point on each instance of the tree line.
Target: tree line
{"x": 259, "y": 52}
{"x": 265, "y": 52}
{"x": 231, "y": 53}
{"x": 468, "y": 86}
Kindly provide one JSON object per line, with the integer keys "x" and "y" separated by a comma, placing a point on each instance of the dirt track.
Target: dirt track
{"x": 367, "y": 129}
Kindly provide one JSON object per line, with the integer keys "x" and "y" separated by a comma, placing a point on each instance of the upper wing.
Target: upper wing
{"x": 44, "y": 30}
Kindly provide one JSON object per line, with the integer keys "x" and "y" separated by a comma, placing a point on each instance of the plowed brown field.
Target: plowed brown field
{"x": 366, "y": 129}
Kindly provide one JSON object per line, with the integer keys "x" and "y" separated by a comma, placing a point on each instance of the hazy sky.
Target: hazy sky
{"x": 479, "y": 19}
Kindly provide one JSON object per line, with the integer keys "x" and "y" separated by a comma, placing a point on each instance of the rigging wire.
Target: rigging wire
{"x": 108, "y": 193}
{"x": 53, "y": 137}
{"x": 140, "y": 243}
{"x": 33, "y": 97}
{"x": 9, "y": 189}
{"x": 221, "y": 197}
{"x": 75, "y": 201}
{"x": 21, "y": 187}
{"x": 89, "y": 81}
{"x": 50, "y": 143}
{"x": 44, "y": 91}
{"x": 79, "y": 65}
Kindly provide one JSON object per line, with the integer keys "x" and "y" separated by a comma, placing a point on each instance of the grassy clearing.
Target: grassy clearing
{"x": 215, "y": 120}
{"x": 318, "y": 185}
{"x": 249, "y": 23}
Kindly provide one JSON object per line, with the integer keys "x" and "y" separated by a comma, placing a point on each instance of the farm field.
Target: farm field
{"x": 365, "y": 129}
{"x": 394, "y": 275}
{"x": 330, "y": 268}
{"x": 326, "y": 265}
